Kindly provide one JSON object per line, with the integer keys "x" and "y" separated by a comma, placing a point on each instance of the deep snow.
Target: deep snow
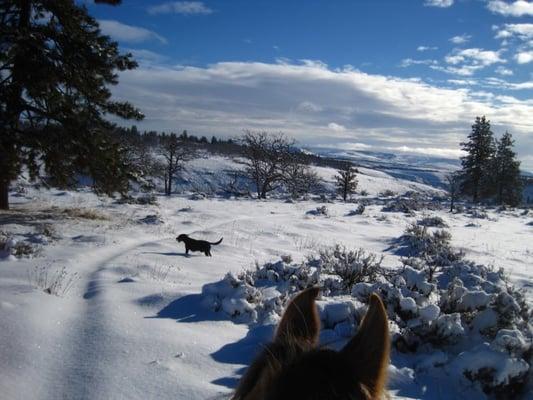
{"x": 133, "y": 325}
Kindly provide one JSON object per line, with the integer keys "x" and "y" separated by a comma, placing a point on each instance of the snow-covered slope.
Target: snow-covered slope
{"x": 133, "y": 325}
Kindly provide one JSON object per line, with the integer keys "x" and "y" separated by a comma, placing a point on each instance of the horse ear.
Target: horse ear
{"x": 300, "y": 320}
{"x": 368, "y": 350}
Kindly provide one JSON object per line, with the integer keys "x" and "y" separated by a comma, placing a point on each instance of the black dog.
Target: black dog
{"x": 196, "y": 245}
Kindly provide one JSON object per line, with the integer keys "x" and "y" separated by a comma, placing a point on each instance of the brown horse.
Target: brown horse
{"x": 293, "y": 367}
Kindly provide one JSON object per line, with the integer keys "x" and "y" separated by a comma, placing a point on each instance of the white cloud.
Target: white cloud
{"x": 426, "y": 48}
{"x": 502, "y": 84}
{"x": 517, "y": 8}
{"x": 524, "y": 57}
{"x": 313, "y": 103}
{"x": 147, "y": 56}
{"x": 461, "y": 39}
{"x": 463, "y": 82}
{"x": 438, "y": 3}
{"x": 407, "y": 62}
{"x": 336, "y": 127}
{"x": 521, "y": 31}
{"x": 465, "y": 70}
{"x": 308, "y": 106}
{"x": 181, "y": 7}
{"x": 504, "y": 71}
{"x": 475, "y": 56}
{"x": 128, "y": 33}
{"x": 433, "y": 151}
{"x": 466, "y": 62}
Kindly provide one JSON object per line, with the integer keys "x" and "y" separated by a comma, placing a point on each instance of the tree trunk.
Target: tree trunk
{"x": 169, "y": 186}
{"x": 4, "y": 194}
{"x": 452, "y": 201}
{"x": 345, "y": 192}
{"x": 475, "y": 194}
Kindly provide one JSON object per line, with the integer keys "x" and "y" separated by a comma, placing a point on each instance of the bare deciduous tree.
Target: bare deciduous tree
{"x": 454, "y": 187}
{"x": 299, "y": 179}
{"x": 266, "y": 158}
{"x": 176, "y": 153}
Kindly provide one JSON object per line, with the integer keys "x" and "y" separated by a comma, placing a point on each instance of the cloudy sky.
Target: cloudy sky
{"x": 396, "y": 75}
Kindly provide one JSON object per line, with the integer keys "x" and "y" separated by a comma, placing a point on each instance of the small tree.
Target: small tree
{"x": 300, "y": 179}
{"x": 454, "y": 188}
{"x": 176, "y": 153}
{"x": 346, "y": 181}
{"x": 480, "y": 149}
{"x": 506, "y": 172}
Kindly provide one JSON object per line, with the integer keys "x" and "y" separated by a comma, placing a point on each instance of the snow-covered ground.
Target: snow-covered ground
{"x": 134, "y": 324}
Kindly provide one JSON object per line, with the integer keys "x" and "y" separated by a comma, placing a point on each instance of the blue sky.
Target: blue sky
{"x": 397, "y": 75}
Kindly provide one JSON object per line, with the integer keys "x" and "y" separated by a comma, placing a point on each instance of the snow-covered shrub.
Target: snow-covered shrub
{"x": 435, "y": 221}
{"x": 496, "y": 372}
{"x": 24, "y": 249}
{"x": 410, "y": 203}
{"x": 259, "y": 295}
{"x": 432, "y": 246}
{"x": 358, "y": 211}
{"x": 387, "y": 193}
{"x": 85, "y": 213}
{"x": 10, "y": 246}
{"x": 146, "y": 199}
{"x": 52, "y": 281}
{"x": 364, "y": 193}
{"x": 346, "y": 266}
{"x": 286, "y": 258}
{"x": 321, "y": 210}
{"x": 477, "y": 213}
{"x": 48, "y": 230}
{"x": 151, "y": 219}
{"x": 461, "y": 305}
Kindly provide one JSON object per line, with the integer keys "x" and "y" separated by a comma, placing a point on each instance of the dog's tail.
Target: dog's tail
{"x": 220, "y": 241}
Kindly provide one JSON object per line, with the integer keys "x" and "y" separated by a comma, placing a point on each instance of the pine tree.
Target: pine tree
{"x": 346, "y": 181}
{"x": 506, "y": 172}
{"x": 56, "y": 68}
{"x": 480, "y": 149}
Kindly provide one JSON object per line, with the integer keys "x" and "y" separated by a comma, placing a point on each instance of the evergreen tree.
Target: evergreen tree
{"x": 480, "y": 149}
{"x": 56, "y": 68}
{"x": 506, "y": 172}
{"x": 346, "y": 181}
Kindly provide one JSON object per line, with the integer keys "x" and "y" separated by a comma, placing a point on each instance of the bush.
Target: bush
{"x": 433, "y": 247}
{"x": 322, "y": 210}
{"x": 85, "y": 213}
{"x": 57, "y": 282}
{"x": 387, "y": 193}
{"x": 465, "y": 314}
{"x": 358, "y": 211}
{"x": 49, "y": 231}
{"x": 410, "y": 204}
{"x": 435, "y": 221}
{"x": 18, "y": 248}
{"x": 346, "y": 266}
